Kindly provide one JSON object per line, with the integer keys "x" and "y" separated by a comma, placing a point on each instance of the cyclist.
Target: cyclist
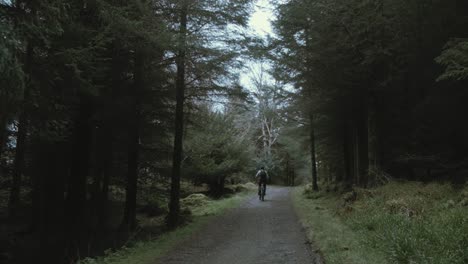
{"x": 261, "y": 177}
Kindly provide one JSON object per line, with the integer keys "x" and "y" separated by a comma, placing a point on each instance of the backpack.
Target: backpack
{"x": 263, "y": 175}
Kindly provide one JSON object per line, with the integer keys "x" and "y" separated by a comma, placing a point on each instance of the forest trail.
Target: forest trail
{"x": 256, "y": 232}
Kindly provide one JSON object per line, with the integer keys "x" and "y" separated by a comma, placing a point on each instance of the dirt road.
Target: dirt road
{"x": 256, "y": 232}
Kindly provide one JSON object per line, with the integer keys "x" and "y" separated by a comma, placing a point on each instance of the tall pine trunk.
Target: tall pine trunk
{"x": 174, "y": 204}
{"x": 347, "y": 155}
{"x": 3, "y": 131}
{"x": 313, "y": 153}
{"x": 129, "y": 220}
{"x": 103, "y": 198}
{"x": 355, "y": 152}
{"x": 49, "y": 169}
{"x": 363, "y": 141}
{"x": 77, "y": 180}
{"x": 375, "y": 127}
{"x": 18, "y": 163}
{"x": 102, "y": 173}
{"x": 22, "y": 131}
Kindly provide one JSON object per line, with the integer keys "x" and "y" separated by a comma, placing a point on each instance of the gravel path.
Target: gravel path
{"x": 256, "y": 232}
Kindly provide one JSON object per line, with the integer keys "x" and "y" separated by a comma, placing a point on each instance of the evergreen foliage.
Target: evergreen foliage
{"x": 87, "y": 108}
{"x": 216, "y": 151}
{"x": 367, "y": 74}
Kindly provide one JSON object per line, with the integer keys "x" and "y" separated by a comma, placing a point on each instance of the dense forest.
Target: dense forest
{"x": 93, "y": 97}
{"x": 115, "y": 109}
{"x": 381, "y": 86}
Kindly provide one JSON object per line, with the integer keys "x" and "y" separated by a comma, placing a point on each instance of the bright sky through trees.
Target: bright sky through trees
{"x": 260, "y": 25}
{"x": 260, "y": 20}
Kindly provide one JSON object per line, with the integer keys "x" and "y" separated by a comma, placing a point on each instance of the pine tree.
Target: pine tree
{"x": 204, "y": 49}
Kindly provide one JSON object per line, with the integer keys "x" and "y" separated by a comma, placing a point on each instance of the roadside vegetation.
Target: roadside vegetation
{"x": 400, "y": 222}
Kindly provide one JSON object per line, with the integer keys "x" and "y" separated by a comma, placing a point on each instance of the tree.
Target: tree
{"x": 268, "y": 100}
{"x": 12, "y": 77}
{"x": 202, "y": 45}
{"x": 216, "y": 150}
{"x": 368, "y": 70}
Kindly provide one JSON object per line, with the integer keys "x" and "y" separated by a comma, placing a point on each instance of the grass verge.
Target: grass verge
{"x": 335, "y": 241}
{"x": 145, "y": 252}
{"x": 401, "y": 222}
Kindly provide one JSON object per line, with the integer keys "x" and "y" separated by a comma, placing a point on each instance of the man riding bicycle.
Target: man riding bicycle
{"x": 261, "y": 177}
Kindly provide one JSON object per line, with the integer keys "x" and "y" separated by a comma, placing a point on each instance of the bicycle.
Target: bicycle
{"x": 261, "y": 191}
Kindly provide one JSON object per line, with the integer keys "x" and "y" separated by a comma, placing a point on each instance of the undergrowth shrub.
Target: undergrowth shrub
{"x": 311, "y": 194}
{"x": 412, "y": 224}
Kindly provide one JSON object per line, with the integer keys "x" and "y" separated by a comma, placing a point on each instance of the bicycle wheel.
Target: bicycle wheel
{"x": 263, "y": 193}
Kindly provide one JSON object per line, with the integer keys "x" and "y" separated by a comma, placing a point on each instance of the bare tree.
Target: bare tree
{"x": 267, "y": 96}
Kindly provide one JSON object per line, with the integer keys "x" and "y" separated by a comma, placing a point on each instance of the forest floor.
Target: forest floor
{"x": 255, "y": 232}
{"x": 400, "y": 222}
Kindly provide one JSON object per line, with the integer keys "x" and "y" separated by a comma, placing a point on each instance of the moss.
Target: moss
{"x": 195, "y": 200}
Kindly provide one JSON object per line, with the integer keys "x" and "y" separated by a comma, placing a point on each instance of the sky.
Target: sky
{"x": 260, "y": 19}
{"x": 260, "y": 25}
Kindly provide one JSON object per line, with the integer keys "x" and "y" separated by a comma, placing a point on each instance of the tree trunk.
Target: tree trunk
{"x": 355, "y": 153}
{"x": 265, "y": 139}
{"x": 313, "y": 153}
{"x": 79, "y": 169}
{"x": 103, "y": 198}
{"x": 21, "y": 137}
{"x": 18, "y": 163}
{"x": 375, "y": 134}
{"x": 3, "y": 142}
{"x": 379, "y": 131}
{"x": 293, "y": 177}
{"x": 102, "y": 173}
{"x": 363, "y": 142}
{"x": 129, "y": 220}
{"x": 53, "y": 185}
{"x": 96, "y": 165}
{"x": 174, "y": 204}
{"x": 3, "y": 131}
{"x": 347, "y": 155}
{"x": 49, "y": 170}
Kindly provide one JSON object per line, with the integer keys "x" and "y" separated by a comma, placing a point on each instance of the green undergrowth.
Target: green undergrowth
{"x": 401, "y": 222}
{"x": 202, "y": 208}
